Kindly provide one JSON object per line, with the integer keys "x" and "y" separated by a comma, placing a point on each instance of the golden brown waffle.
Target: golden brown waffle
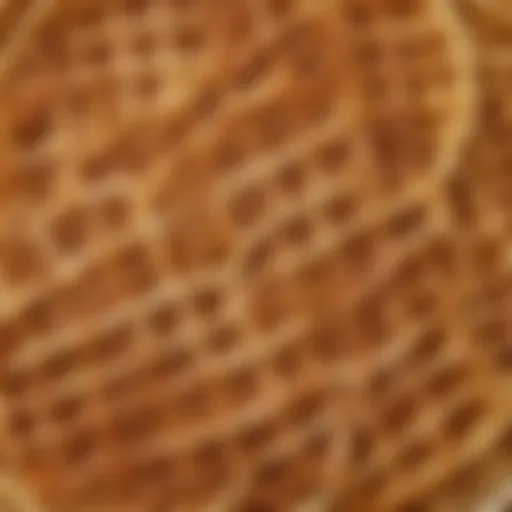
{"x": 478, "y": 194}
{"x": 15, "y": 497}
{"x": 497, "y": 8}
{"x": 226, "y": 258}
{"x": 480, "y": 191}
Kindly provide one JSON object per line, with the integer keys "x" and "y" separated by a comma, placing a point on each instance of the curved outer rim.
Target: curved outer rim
{"x": 460, "y": 126}
{"x": 463, "y": 124}
{"x": 465, "y": 54}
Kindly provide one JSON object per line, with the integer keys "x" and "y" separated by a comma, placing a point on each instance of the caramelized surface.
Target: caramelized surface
{"x": 238, "y": 264}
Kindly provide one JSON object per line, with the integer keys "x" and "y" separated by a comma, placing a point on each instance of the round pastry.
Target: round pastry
{"x": 215, "y": 215}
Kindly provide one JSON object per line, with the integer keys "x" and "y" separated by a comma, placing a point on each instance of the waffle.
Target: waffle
{"x": 479, "y": 199}
{"x": 222, "y": 223}
{"x": 479, "y": 191}
{"x": 477, "y": 195}
{"x": 500, "y": 8}
{"x": 15, "y": 497}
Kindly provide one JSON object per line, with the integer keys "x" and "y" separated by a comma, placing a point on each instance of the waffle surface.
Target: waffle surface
{"x": 233, "y": 274}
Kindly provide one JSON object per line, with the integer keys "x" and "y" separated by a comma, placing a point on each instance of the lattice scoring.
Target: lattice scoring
{"x": 212, "y": 211}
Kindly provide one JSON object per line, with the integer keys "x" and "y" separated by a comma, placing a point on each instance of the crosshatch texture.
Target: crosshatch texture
{"x": 254, "y": 254}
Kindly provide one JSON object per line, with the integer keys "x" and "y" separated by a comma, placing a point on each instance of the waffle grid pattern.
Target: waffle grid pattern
{"x": 229, "y": 272}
